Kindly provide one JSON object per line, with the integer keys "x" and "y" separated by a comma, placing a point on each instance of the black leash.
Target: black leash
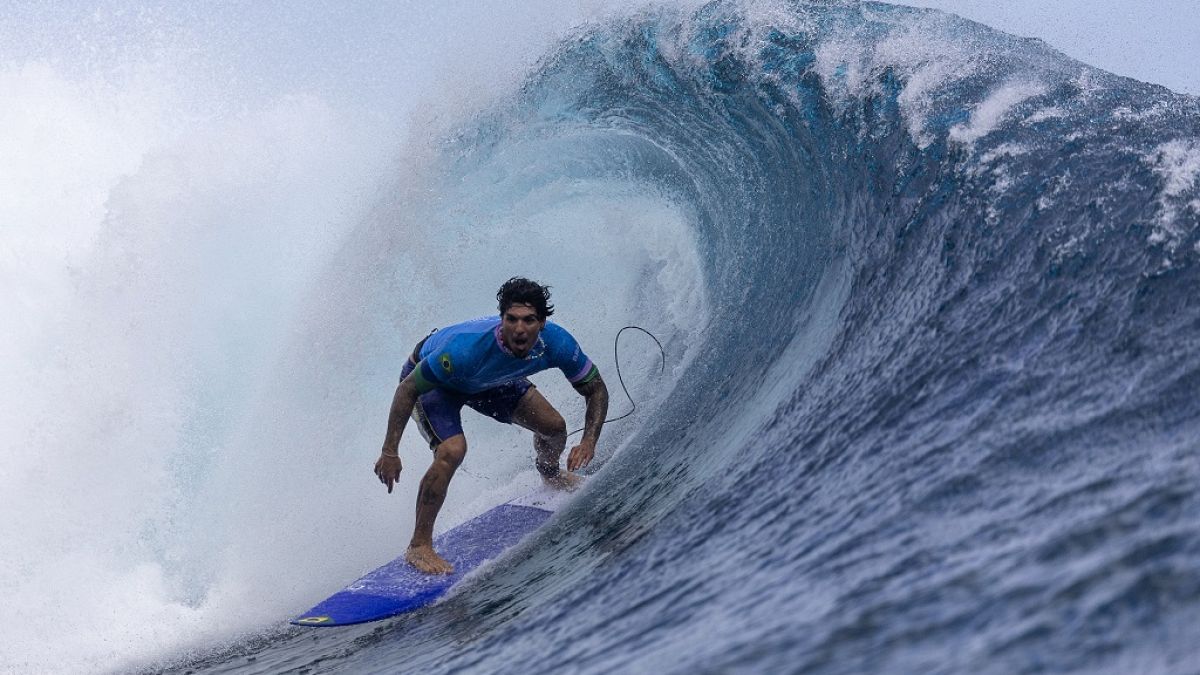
{"x": 617, "y": 360}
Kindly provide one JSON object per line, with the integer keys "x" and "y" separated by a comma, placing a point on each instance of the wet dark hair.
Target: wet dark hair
{"x": 522, "y": 291}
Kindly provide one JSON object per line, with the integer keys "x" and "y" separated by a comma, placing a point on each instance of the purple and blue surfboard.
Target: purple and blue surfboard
{"x": 398, "y": 587}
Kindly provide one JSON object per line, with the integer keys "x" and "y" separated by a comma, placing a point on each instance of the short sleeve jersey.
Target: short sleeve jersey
{"x": 470, "y": 357}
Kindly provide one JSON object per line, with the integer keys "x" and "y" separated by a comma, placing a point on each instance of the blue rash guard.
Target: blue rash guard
{"x": 468, "y": 364}
{"x": 470, "y": 357}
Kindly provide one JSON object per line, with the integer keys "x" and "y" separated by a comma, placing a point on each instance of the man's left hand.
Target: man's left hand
{"x": 581, "y": 455}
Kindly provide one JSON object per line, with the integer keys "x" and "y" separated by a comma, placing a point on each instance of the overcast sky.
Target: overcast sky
{"x": 1151, "y": 40}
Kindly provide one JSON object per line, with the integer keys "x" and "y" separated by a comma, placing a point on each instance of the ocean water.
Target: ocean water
{"x": 930, "y": 296}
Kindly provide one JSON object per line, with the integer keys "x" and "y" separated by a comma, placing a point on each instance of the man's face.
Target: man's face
{"x": 519, "y": 327}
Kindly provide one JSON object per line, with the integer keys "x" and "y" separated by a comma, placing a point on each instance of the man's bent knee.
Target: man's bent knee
{"x": 452, "y": 451}
{"x": 555, "y": 428}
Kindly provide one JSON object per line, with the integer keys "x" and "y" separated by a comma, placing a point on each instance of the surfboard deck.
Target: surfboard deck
{"x": 398, "y": 587}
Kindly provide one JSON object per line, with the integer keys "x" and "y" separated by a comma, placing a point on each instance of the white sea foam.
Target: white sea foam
{"x": 921, "y": 56}
{"x": 994, "y": 109}
{"x": 1052, "y": 112}
{"x": 152, "y": 291}
{"x": 1177, "y": 162}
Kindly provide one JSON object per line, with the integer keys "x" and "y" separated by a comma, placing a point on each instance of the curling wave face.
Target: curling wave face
{"x": 939, "y": 410}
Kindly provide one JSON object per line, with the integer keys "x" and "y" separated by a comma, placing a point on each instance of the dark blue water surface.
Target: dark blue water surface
{"x": 944, "y": 417}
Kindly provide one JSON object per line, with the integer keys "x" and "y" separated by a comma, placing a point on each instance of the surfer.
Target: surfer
{"x": 485, "y": 364}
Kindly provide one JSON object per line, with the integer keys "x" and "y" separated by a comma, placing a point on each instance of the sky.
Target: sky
{"x": 1150, "y": 40}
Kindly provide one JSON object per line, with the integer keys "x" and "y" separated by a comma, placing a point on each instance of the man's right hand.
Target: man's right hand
{"x": 387, "y": 469}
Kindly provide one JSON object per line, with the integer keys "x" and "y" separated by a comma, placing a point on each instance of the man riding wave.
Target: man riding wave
{"x": 485, "y": 363}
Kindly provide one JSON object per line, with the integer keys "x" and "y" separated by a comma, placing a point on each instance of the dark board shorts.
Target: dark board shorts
{"x": 438, "y": 413}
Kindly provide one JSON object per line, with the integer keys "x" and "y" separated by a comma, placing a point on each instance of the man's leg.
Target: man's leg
{"x": 446, "y": 458}
{"x": 549, "y": 429}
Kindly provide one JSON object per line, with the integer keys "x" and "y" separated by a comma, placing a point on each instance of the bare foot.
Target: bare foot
{"x": 564, "y": 480}
{"x": 427, "y": 560}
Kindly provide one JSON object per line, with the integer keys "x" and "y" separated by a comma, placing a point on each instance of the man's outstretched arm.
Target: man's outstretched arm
{"x": 595, "y": 392}
{"x": 388, "y": 466}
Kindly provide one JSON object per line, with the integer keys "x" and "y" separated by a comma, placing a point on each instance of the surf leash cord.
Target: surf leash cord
{"x": 617, "y": 360}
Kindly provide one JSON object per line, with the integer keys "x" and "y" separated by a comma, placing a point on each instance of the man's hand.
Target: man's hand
{"x": 387, "y": 468}
{"x": 581, "y": 455}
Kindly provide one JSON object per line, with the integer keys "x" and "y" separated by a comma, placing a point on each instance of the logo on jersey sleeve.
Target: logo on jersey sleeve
{"x": 447, "y": 365}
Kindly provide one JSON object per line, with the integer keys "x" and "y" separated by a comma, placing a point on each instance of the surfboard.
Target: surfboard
{"x": 398, "y": 587}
